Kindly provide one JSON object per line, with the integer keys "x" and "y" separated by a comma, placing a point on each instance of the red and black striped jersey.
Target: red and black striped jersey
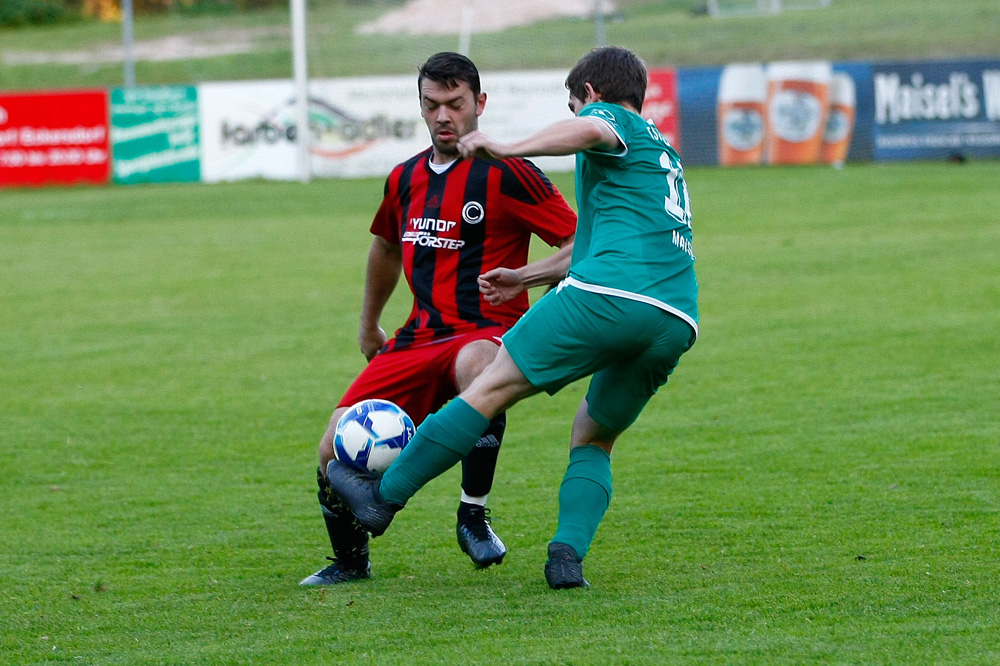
{"x": 476, "y": 216}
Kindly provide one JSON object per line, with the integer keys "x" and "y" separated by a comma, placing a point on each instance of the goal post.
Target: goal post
{"x": 300, "y": 75}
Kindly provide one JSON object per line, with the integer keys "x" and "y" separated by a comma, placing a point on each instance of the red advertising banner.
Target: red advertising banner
{"x": 54, "y": 138}
{"x": 661, "y": 106}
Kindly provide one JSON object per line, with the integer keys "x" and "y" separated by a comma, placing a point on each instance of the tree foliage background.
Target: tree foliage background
{"x": 18, "y": 13}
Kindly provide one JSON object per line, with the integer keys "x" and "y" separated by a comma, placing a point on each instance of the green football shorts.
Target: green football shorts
{"x": 629, "y": 347}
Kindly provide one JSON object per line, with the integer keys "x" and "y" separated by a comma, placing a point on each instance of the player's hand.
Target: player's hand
{"x": 477, "y": 144}
{"x": 371, "y": 340}
{"x": 500, "y": 285}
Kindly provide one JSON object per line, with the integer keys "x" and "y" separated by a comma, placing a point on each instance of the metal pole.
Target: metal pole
{"x": 599, "y": 37}
{"x": 301, "y": 74}
{"x": 128, "y": 39}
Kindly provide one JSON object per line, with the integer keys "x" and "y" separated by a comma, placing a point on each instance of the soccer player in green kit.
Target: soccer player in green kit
{"x": 625, "y": 313}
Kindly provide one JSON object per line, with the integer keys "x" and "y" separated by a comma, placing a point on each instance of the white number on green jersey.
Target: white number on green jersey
{"x": 676, "y": 202}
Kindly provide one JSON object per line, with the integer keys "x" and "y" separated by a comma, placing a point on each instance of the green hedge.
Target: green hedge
{"x": 15, "y": 13}
{"x": 203, "y": 6}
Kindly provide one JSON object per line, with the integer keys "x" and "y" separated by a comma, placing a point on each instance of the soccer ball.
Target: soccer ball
{"x": 371, "y": 434}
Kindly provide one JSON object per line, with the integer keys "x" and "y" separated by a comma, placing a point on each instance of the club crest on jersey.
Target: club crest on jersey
{"x": 473, "y": 212}
{"x": 603, "y": 113}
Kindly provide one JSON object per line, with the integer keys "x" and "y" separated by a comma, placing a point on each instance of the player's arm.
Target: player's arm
{"x": 385, "y": 263}
{"x": 502, "y": 284}
{"x": 561, "y": 138}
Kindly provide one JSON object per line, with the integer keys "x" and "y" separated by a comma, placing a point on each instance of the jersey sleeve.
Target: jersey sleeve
{"x": 386, "y": 223}
{"x": 532, "y": 199}
{"x": 603, "y": 113}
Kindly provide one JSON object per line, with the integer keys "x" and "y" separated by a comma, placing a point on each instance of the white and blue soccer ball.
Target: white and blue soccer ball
{"x": 371, "y": 434}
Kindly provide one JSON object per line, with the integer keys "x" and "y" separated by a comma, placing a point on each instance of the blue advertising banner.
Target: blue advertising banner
{"x": 927, "y": 110}
{"x": 697, "y": 91}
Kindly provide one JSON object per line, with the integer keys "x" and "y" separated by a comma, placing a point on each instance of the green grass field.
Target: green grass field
{"x": 664, "y": 32}
{"x": 818, "y": 483}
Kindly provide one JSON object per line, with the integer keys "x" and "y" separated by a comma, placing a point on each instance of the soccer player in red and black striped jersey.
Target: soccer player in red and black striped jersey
{"x": 443, "y": 222}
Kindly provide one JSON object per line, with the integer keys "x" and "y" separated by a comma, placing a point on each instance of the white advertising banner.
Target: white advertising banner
{"x": 521, "y": 103}
{"x": 366, "y": 125}
{"x": 363, "y": 126}
{"x": 360, "y": 126}
{"x": 247, "y": 130}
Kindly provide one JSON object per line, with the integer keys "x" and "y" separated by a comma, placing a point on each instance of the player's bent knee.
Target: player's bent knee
{"x": 325, "y": 452}
{"x": 326, "y": 443}
{"x": 500, "y": 385}
{"x": 472, "y": 360}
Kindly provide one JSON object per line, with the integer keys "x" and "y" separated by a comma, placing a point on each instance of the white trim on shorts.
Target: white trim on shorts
{"x": 621, "y": 293}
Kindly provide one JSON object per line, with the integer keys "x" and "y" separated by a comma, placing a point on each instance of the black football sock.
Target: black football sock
{"x": 479, "y": 467}
{"x": 347, "y": 537}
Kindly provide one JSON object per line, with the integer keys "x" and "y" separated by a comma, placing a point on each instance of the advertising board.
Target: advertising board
{"x": 932, "y": 110}
{"x": 247, "y": 130}
{"x": 789, "y": 112}
{"x": 154, "y": 134}
{"x": 776, "y": 113}
{"x": 363, "y": 126}
{"x": 58, "y": 137}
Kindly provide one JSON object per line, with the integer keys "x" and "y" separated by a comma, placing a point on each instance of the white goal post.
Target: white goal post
{"x": 300, "y": 75}
{"x": 721, "y": 8}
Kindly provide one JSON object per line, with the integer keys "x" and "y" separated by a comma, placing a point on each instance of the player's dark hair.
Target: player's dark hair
{"x": 617, "y": 73}
{"x": 449, "y": 69}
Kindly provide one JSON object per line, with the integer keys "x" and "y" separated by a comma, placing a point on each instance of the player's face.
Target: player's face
{"x": 450, "y": 115}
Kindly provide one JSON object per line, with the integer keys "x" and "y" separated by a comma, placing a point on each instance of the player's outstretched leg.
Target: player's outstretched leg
{"x": 584, "y": 497}
{"x": 475, "y": 535}
{"x": 347, "y": 537}
{"x": 375, "y": 500}
{"x": 360, "y": 492}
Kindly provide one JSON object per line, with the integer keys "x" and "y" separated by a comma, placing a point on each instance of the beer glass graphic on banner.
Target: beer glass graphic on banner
{"x": 740, "y": 114}
{"x": 797, "y": 102}
{"x": 840, "y": 121}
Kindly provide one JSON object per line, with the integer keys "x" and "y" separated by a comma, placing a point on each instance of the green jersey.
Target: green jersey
{"x": 633, "y": 236}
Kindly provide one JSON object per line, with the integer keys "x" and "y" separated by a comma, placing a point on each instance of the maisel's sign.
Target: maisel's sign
{"x": 935, "y": 110}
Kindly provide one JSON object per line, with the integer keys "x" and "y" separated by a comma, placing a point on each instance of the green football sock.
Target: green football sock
{"x": 583, "y": 497}
{"x": 443, "y": 439}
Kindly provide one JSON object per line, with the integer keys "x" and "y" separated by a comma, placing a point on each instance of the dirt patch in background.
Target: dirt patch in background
{"x": 415, "y": 17}
{"x": 176, "y": 47}
{"x": 435, "y": 17}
